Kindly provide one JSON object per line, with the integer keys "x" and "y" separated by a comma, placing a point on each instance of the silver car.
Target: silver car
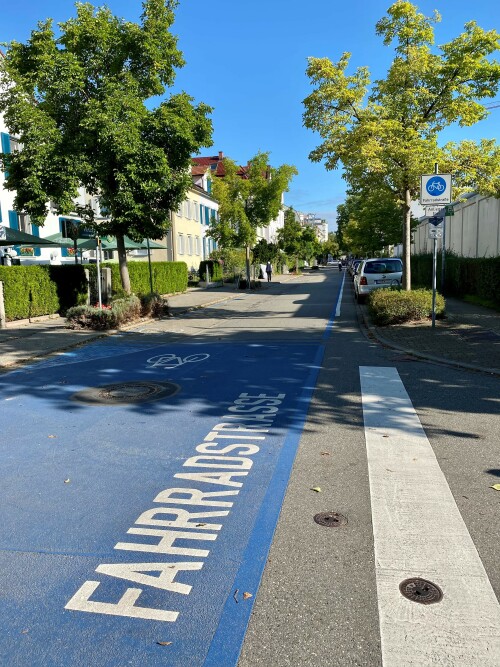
{"x": 377, "y": 272}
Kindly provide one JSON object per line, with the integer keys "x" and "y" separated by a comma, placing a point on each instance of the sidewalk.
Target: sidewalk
{"x": 469, "y": 337}
{"x": 23, "y": 341}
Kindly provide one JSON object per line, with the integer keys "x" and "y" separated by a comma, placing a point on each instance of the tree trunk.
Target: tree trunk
{"x": 122, "y": 260}
{"x": 247, "y": 263}
{"x": 407, "y": 242}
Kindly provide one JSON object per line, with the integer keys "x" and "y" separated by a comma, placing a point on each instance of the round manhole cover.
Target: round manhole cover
{"x": 124, "y": 393}
{"x": 332, "y": 519}
{"x": 421, "y": 590}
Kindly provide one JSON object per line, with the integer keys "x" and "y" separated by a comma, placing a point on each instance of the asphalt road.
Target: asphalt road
{"x": 137, "y": 533}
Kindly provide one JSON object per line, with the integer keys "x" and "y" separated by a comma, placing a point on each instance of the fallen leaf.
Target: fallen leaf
{"x": 52, "y": 436}
{"x": 496, "y": 487}
{"x": 325, "y": 453}
{"x": 66, "y": 481}
{"x": 198, "y": 525}
{"x": 316, "y": 488}
{"x": 385, "y": 436}
{"x": 389, "y": 470}
{"x": 164, "y": 643}
{"x": 24, "y": 632}
{"x": 247, "y": 595}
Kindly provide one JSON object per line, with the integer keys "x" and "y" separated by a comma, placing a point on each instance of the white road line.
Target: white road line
{"x": 339, "y": 302}
{"x": 419, "y": 532}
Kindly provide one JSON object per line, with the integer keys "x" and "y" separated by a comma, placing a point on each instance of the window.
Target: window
{"x": 385, "y": 266}
{"x": 180, "y": 244}
{"x": 197, "y": 245}
{"x": 190, "y": 244}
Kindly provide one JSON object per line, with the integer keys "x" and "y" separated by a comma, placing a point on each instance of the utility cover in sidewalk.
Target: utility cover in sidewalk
{"x": 124, "y": 393}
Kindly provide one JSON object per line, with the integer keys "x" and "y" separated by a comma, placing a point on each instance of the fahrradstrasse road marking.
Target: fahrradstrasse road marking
{"x": 131, "y": 527}
{"x": 419, "y": 532}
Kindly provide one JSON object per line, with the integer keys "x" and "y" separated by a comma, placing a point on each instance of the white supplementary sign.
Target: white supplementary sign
{"x": 224, "y": 458}
{"x": 435, "y": 232}
{"x": 434, "y": 210}
{"x": 435, "y": 189}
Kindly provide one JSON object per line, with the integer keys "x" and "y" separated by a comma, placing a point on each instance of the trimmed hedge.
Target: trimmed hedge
{"x": 464, "y": 276}
{"x": 30, "y": 291}
{"x": 168, "y": 277}
{"x": 214, "y": 268}
{"x": 395, "y": 306}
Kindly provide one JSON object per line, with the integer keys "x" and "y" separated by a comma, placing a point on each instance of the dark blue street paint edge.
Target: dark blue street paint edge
{"x": 227, "y": 641}
{"x": 328, "y": 330}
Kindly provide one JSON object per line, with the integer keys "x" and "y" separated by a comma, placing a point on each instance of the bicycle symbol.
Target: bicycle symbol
{"x": 173, "y": 361}
{"x": 435, "y": 186}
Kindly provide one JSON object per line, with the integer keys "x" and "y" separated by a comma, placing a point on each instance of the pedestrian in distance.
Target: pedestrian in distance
{"x": 269, "y": 271}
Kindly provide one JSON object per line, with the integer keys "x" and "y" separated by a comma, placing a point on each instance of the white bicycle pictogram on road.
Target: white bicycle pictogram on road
{"x": 173, "y": 361}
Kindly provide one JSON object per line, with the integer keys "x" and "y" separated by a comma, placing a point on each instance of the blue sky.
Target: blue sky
{"x": 248, "y": 61}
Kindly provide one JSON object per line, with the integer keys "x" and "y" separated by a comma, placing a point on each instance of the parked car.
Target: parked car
{"x": 375, "y": 273}
{"x": 353, "y": 265}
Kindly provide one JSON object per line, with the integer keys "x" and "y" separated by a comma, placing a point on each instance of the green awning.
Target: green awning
{"x": 9, "y": 236}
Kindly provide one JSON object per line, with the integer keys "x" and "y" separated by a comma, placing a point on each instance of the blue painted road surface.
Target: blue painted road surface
{"x": 136, "y": 534}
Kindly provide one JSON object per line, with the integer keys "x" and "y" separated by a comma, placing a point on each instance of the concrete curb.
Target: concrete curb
{"x": 362, "y": 319}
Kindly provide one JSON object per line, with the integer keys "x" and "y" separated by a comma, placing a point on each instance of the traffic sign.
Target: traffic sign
{"x": 448, "y": 210}
{"x": 435, "y": 233}
{"x": 435, "y": 189}
{"x": 434, "y": 210}
{"x": 435, "y": 221}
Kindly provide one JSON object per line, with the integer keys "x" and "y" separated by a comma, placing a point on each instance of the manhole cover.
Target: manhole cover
{"x": 332, "y": 519}
{"x": 421, "y": 590}
{"x": 123, "y": 393}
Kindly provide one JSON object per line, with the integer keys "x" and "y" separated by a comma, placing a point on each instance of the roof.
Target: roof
{"x": 216, "y": 165}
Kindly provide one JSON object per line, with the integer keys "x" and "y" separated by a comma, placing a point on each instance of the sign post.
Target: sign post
{"x": 435, "y": 190}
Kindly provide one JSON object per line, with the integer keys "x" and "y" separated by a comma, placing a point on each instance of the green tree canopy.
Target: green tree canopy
{"x": 77, "y": 103}
{"x": 249, "y": 198}
{"x": 392, "y": 127}
{"x": 264, "y": 252}
{"x": 297, "y": 242}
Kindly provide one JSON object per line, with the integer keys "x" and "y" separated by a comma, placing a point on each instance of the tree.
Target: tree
{"x": 394, "y": 132}
{"x": 290, "y": 237}
{"x": 264, "y": 252}
{"x": 377, "y": 216}
{"x": 248, "y": 198}
{"x": 296, "y": 241}
{"x": 330, "y": 247}
{"x": 77, "y": 104}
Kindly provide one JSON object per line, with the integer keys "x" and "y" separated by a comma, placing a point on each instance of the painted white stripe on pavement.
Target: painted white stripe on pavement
{"x": 339, "y": 301}
{"x": 419, "y": 532}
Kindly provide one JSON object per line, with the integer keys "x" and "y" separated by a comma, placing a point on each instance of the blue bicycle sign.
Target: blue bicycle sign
{"x": 435, "y": 189}
{"x": 436, "y": 186}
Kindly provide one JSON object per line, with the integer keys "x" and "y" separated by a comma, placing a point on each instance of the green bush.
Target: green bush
{"x": 120, "y": 312}
{"x": 168, "y": 277}
{"x": 395, "y": 307}
{"x": 34, "y": 290}
{"x": 214, "y": 267}
{"x": 153, "y": 305}
{"x": 464, "y": 276}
